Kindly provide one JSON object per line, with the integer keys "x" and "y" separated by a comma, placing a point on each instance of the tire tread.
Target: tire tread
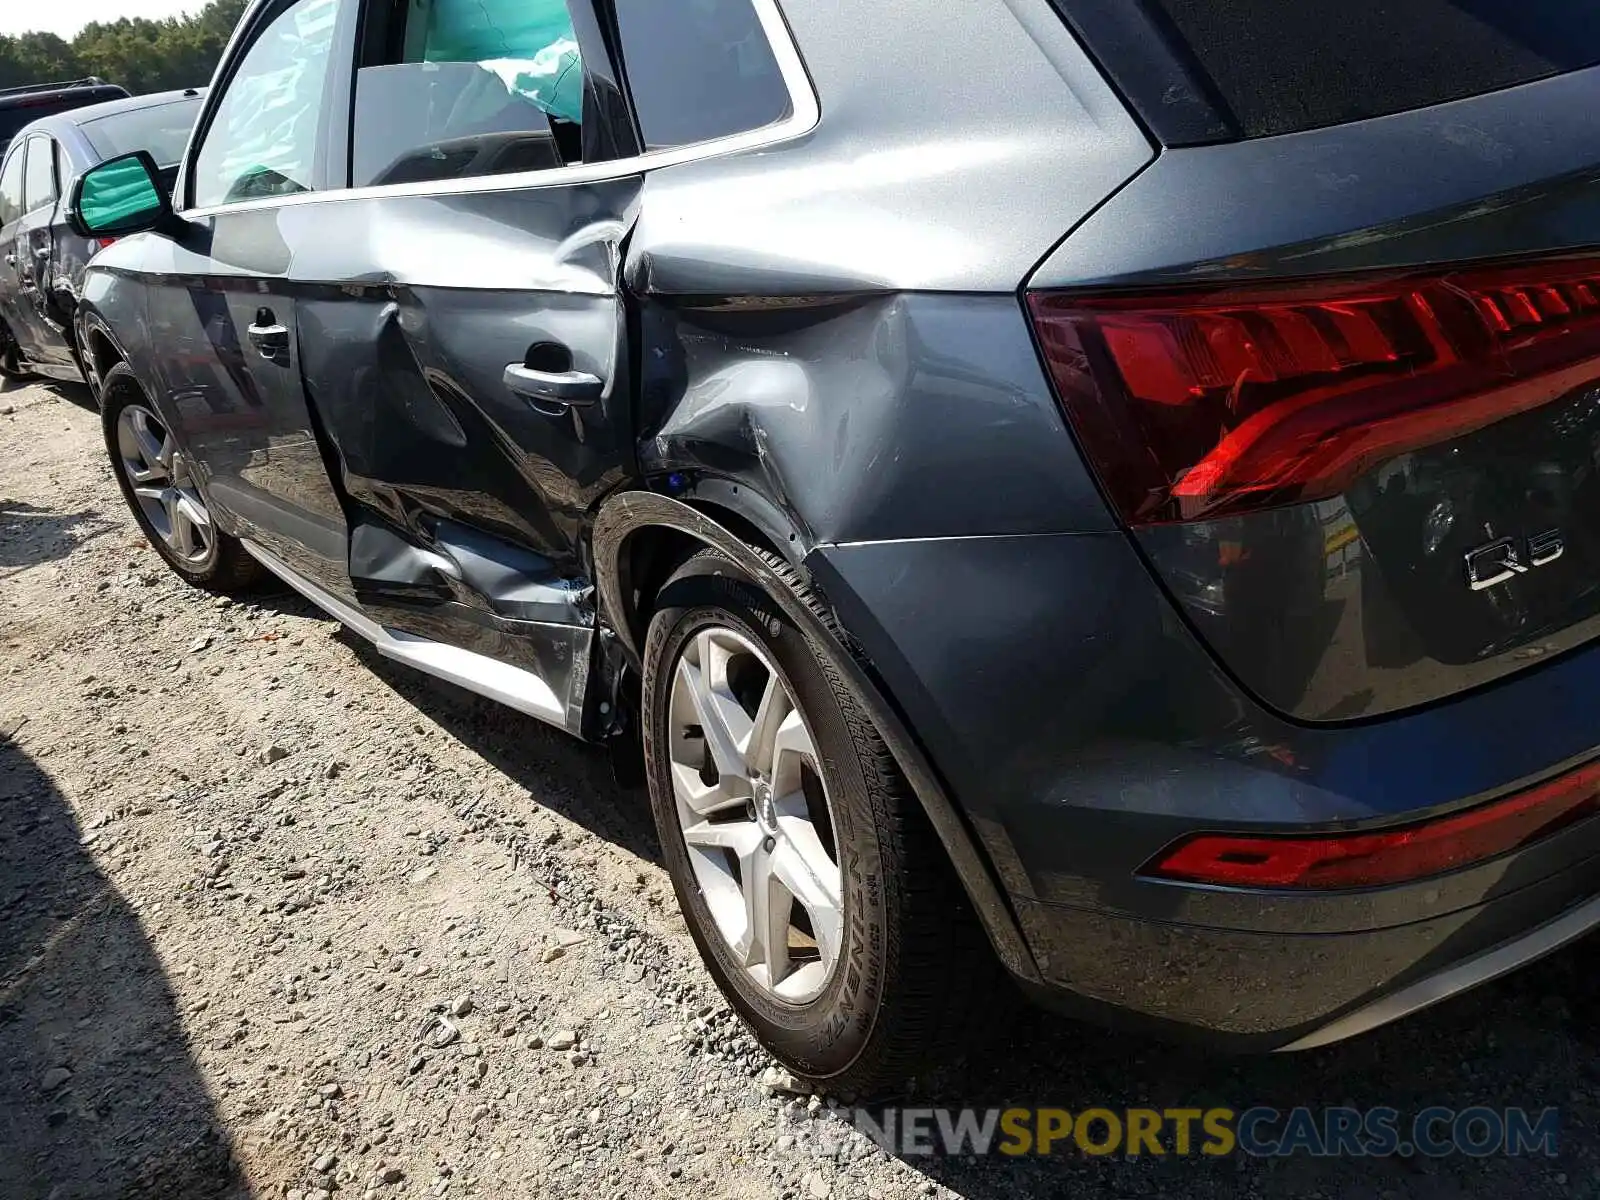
{"x": 929, "y": 1007}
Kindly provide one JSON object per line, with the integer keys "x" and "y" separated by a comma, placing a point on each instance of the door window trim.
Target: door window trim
{"x": 55, "y": 175}
{"x": 805, "y": 112}
{"x": 16, "y": 150}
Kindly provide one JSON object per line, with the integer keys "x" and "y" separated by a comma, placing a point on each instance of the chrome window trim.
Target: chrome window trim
{"x": 55, "y": 175}
{"x": 806, "y": 113}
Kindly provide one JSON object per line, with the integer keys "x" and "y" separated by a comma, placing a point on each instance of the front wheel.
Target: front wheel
{"x": 158, "y": 483}
{"x": 816, "y": 892}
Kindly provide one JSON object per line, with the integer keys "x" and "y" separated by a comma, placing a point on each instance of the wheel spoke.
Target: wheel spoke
{"x": 768, "y": 905}
{"x": 742, "y": 837}
{"x": 155, "y": 451}
{"x": 791, "y": 748}
{"x": 194, "y": 515}
{"x": 775, "y": 706}
{"x": 699, "y": 798}
{"x": 818, "y": 896}
{"x": 715, "y": 709}
{"x": 182, "y": 532}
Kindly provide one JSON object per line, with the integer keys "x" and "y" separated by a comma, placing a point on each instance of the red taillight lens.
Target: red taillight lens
{"x": 1214, "y": 402}
{"x": 1357, "y": 860}
{"x": 101, "y": 243}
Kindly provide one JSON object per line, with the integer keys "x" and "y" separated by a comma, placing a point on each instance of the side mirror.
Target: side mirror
{"x": 120, "y": 196}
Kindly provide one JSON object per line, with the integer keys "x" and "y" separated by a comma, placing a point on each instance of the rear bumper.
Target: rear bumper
{"x": 1081, "y": 729}
{"x": 1250, "y": 991}
{"x": 1480, "y": 968}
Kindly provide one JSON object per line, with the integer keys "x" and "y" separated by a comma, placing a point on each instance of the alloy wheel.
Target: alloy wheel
{"x": 163, "y": 486}
{"x": 755, "y": 814}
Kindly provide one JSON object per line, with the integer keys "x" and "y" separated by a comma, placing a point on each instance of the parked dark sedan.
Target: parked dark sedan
{"x": 1121, "y": 478}
{"x": 41, "y": 258}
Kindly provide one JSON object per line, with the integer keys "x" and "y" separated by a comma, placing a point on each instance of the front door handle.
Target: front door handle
{"x": 270, "y": 339}
{"x": 564, "y": 388}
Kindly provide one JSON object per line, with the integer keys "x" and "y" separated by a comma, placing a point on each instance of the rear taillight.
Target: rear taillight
{"x": 100, "y": 244}
{"x": 1357, "y": 860}
{"x": 1212, "y": 402}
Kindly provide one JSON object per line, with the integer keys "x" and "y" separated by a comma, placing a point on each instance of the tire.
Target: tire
{"x": 910, "y": 953}
{"x": 216, "y": 561}
{"x": 11, "y": 361}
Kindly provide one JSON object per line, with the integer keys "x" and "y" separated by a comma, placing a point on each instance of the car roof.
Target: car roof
{"x": 110, "y": 108}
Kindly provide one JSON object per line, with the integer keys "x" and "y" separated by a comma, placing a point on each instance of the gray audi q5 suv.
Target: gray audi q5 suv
{"x": 1111, "y": 486}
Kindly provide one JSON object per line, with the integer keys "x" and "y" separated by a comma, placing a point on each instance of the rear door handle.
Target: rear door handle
{"x": 564, "y": 388}
{"x": 270, "y": 340}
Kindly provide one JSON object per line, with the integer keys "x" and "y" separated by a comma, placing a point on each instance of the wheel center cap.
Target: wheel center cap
{"x": 766, "y": 807}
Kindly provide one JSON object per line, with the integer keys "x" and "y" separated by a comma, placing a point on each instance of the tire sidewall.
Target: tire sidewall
{"x": 120, "y": 389}
{"x": 827, "y": 1035}
{"x": 10, "y": 348}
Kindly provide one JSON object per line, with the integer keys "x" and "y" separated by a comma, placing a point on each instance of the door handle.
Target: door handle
{"x": 565, "y": 388}
{"x": 270, "y": 340}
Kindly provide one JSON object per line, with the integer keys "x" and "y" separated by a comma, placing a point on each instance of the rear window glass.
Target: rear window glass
{"x": 163, "y": 130}
{"x": 699, "y": 70}
{"x": 1286, "y": 65}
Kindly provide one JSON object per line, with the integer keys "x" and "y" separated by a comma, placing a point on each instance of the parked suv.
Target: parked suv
{"x": 41, "y": 257}
{"x": 19, "y": 105}
{"x": 1111, "y": 481}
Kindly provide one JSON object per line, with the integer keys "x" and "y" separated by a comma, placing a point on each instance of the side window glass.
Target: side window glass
{"x": 699, "y": 70}
{"x": 450, "y": 89}
{"x": 39, "y": 186}
{"x": 262, "y": 140}
{"x": 11, "y": 188}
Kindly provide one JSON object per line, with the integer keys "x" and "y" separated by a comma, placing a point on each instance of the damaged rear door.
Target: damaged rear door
{"x": 469, "y": 367}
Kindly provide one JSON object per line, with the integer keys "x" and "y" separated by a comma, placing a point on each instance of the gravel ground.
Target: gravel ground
{"x": 279, "y": 919}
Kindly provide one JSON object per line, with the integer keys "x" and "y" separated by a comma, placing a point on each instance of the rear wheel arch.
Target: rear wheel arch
{"x": 640, "y": 538}
{"x": 102, "y": 353}
{"x": 99, "y": 351}
{"x": 636, "y": 556}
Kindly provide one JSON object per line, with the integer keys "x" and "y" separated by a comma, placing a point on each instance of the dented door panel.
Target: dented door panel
{"x": 468, "y": 499}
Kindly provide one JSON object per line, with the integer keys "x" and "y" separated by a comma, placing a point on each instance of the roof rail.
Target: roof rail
{"x": 59, "y": 85}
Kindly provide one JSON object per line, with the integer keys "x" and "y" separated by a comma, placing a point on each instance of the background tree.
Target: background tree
{"x": 140, "y": 54}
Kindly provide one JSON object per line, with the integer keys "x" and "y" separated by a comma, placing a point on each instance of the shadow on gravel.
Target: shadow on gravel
{"x": 1531, "y": 1040}
{"x": 98, "y": 1095}
{"x": 30, "y": 535}
{"x": 73, "y": 393}
{"x": 558, "y": 771}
